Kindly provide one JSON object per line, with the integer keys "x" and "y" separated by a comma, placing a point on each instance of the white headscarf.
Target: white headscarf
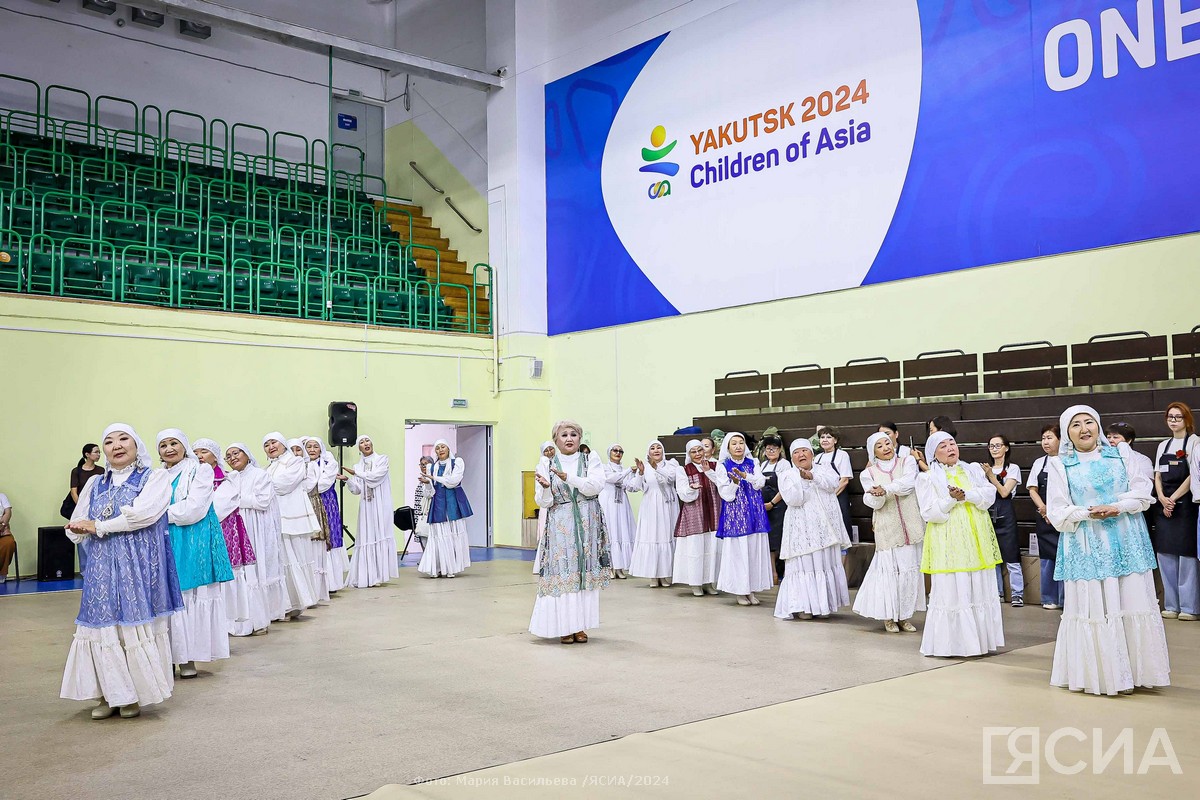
{"x": 245, "y": 449}
{"x": 800, "y": 444}
{"x": 725, "y": 446}
{"x": 360, "y": 439}
{"x": 175, "y": 433}
{"x": 1064, "y": 422}
{"x": 931, "y": 445}
{"x": 143, "y": 455}
{"x": 210, "y": 446}
{"x": 435, "y": 446}
{"x": 608, "y": 452}
{"x": 873, "y": 440}
{"x": 546, "y": 444}
{"x": 298, "y": 443}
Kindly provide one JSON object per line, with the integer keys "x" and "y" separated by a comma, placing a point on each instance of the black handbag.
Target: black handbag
{"x": 67, "y": 508}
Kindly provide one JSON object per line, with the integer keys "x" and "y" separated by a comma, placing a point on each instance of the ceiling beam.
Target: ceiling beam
{"x": 314, "y": 41}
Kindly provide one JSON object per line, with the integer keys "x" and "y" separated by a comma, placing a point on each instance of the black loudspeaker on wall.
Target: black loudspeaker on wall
{"x": 343, "y": 424}
{"x": 56, "y": 555}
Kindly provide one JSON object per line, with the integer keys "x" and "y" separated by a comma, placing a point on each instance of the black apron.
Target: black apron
{"x": 1047, "y": 535}
{"x": 777, "y": 512}
{"x": 1175, "y": 535}
{"x": 1004, "y": 520}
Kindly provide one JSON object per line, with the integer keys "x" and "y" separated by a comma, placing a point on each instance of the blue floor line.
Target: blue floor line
{"x": 34, "y": 586}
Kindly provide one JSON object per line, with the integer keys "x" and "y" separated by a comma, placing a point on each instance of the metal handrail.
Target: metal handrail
{"x": 940, "y": 353}
{"x": 461, "y": 216}
{"x": 1004, "y": 347}
{"x": 425, "y": 177}
{"x": 1099, "y": 336}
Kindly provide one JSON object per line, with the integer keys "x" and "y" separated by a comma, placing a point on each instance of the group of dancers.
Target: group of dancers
{"x": 707, "y": 524}
{"x": 180, "y": 558}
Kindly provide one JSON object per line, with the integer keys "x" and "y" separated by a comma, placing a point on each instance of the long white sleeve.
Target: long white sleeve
{"x": 725, "y": 487}
{"x": 196, "y": 501}
{"x": 374, "y": 470}
{"x": 328, "y": 474}
{"x": 614, "y": 473}
{"x": 83, "y": 509}
{"x": 312, "y": 474}
{"x": 225, "y": 499}
{"x": 592, "y": 482}
{"x": 453, "y": 476}
{"x": 1062, "y": 513}
{"x": 933, "y": 496}
{"x": 981, "y": 492}
{"x": 635, "y": 483}
{"x": 1140, "y": 495}
{"x": 756, "y": 478}
{"x": 795, "y": 489}
{"x": 868, "y": 482}
{"x": 543, "y": 495}
{"x": 147, "y": 507}
{"x": 683, "y": 486}
{"x": 255, "y": 489}
{"x": 289, "y": 474}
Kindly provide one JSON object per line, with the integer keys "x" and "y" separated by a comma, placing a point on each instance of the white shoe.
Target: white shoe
{"x": 1050, "y": 606}
{"x": 1170, "y": 614}
{"x": 743, "y": 600}
{"x": 187, "y": 670}
{"x": 261, "y": 632}
{"x": 710, "y": 588}
{"x": 1186, "y": 617}
{"x": 753, "y": 600}
{"x": 803, "y": 615}
{"x": 698, "y": 591}
{"x": 130, "y": 711}
{"x": 890, "y": 626}
{"x": 102, "y": 711}
{"x": 907, "y": 626}
{"x": 293, "y": 614}
{"x": 452, "y": 575}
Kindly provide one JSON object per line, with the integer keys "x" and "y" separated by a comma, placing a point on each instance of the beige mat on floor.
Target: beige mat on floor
{"x": 921, "y": 735}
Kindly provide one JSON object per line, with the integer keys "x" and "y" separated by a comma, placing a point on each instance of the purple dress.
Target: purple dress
{"x": 745, "y": 514}
{"x": 237, "y": 541}
{"x": 130, "y": 578}
{"x": 334, "y": 512}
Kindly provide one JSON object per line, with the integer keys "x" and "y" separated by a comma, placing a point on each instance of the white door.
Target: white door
{"x": 475, "y": 449}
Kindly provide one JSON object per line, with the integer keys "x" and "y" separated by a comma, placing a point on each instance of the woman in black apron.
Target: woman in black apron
{"x": 1174, "y": 534}
{"x": 1005, "y": 476}
{"x": 1047, "y": 535}
{"x": 773, "y": 501}
{"x": 833, "y": 456}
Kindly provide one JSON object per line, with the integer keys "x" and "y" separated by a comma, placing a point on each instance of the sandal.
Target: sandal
{"x": 581, "y": 637}
{"x": 890, "y": 626}
{"x": 568, "y": 639}
{"x": 908, "y": 627}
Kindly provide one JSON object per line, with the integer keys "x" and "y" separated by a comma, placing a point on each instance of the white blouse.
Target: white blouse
{"x": 225, "y": 498}
{"x": 1065, "y": 516}
{"x": 588, "y": 485}
{"x": 146, "y": 510}
{"x": 727, "y": 488}
{"x": 255, "y": 488}
{"x": 683, "y": 485}
{"x": 840, "y": 462}
{"x": 193, "y": 494}
{"x": 455, "y": 469}
{"x": 327, "y": 472}
{"x": 904, "y": 481}
{"x": 933, "y": 491}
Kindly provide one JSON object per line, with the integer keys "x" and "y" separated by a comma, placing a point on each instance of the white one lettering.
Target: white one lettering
{"x": 1082, "y": 33}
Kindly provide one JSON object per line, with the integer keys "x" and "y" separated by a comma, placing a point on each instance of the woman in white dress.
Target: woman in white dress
{"x": 259, "y": 506}
{"x": 575, "y": 563}
{"x": 121, "y": 652}
{"x": 743, "y": 529}
{"x": 654, "y": 540}
{"x": 814, "y": 581}
{"x": 696, "y": 529}
{"x": 237, "y": 539}
{"x": 619, "y": 482}
{"x": 447, "y": 550}
{"x": 298, "y": 523}
{"x": 319, "y": 542}
{"x": 893, "y": 588}
{"x": 374, "y": 561}
{"x": 337, "y": 563}
{"x": 1111, "y": 637}
{"x": 960, "y": 552}
{"x": 200, "y": 631}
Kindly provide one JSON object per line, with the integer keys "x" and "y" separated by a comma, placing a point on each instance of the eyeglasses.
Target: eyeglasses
{"x": 1174, "y": 418}
{"x": 996, "y": 446}
{"x": 617, "y": 450}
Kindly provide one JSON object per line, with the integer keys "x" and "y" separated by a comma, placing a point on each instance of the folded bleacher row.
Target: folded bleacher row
{"x": 1019, "y": 389}
{"x": 139, "y": 215}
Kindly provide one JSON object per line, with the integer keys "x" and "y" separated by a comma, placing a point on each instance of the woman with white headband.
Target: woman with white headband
{"x": 575, "y": 559}
{"x": 237, "y": 540}
{"x": 200, "y": 631}
{"x": 298, "y": 523}
{"x": 374, "y": 561}
{"x": 654, "y": 540}
{"x": 814, "y": 580}
{"x": 319, "y": 543}
{"x": 337, "y": 563}
{"x": 121, "y": 653}
{"x": 695, "y": 561}
{"x": 619, "y": 482}
{"x": 743, "y": 528}
{"x": 447, "y": 550}
{"x": 893, "y": 588}
{"x": 960, "y": 552}
{"x": 1111, "y": 638}
{"x": 259, "y": 506}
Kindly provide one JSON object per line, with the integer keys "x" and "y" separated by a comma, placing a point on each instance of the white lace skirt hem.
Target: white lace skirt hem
{"x": 122, "y": 664}
{"x": 814, "y": 583}
{"x": 447, "y": 551}
{"x": 566, "y": 614}
{"x": 964, "y": 615}
{"x": 894, "y": 587}
{"x": 200, "y": 632}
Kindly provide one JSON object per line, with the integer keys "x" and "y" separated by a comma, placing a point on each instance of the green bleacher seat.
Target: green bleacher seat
{"x": 20, "y": 218}
{"x": 41, "y": 182}
{"x": 100, "y": 190}
{"x": 349, "y": 304}
{"x": 154, "y": 197}
{"x": 61, "y": 225}
{"x": 185, "y": 239}
{"x": 231, "y": 209}
{"x": 363, "y": 262}
{"x": 41, "y": 272}
{"x": 392, "y": 308}
{"x": 123, "y": 232}
{"x": 294, "y": 218}
{"x": 202, "y": 288}
{"x": 262, "y": 249}
{"x": 81, "y": 276}
{"x": 145, "y": 283}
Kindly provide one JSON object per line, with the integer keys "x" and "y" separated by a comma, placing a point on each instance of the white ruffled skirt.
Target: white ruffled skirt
{"x": 266, "y": 601}
{"x": 894, "y": 587}
{"x": 653, "y": 559}
{"x": 814, "y": 583}
{"x": 321, "y": 577}
{"x": 237, "y": 598}
{"x": 299, "y": 571}
{"x": 696, "y": 559}
{"x": 566, "y": 614}
{"x": 123, "y": 664}
{"x": 964, "y": 615}
{"x": 1111, "y": 636}
{"x": 447, "y": 551}
{"x": 373, "y": 563}
{"x": 337, "y": 564}
{"x": 745, "y": 564}
{"x": 200, "y": 632}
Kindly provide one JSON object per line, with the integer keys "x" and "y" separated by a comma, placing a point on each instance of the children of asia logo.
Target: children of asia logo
{"x": 653, "y": 156}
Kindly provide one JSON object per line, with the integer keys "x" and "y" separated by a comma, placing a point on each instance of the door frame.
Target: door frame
{"x": 491, "y": 482}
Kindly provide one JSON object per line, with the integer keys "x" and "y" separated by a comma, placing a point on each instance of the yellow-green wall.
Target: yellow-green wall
{"x": 407, "y": 142}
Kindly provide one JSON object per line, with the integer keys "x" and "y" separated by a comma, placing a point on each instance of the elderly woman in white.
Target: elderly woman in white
{"x": 374, "y": 561}
{"x": 259, "y": 506}
{"x": 447, "y": 550}
{"x": 619, "y": 482}
{"x": 654, "y": 539}
{"x": 298, "y": 523}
